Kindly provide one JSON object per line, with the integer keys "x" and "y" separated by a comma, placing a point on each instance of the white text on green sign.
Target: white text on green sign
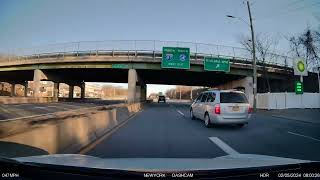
{"x": 175, "y": 57}
{"x": 216, "y": 64}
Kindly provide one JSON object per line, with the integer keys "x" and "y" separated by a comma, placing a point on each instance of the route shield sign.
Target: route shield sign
{"x": 216, "y": 64}
{"x": 175, "y": 57}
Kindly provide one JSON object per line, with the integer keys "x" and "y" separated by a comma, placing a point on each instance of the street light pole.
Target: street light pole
{"x": 318, "y": 71}
{"x": 253, "y": 62}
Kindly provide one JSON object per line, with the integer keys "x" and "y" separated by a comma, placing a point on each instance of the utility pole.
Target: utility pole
{"x": 318, "y": 77}
{"x": 253, "y": 62}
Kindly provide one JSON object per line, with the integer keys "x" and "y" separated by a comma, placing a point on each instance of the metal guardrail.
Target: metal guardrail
{"x": 136, "y": 47}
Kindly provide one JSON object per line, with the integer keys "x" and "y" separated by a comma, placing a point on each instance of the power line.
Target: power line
{"x": 284, "y": 7}
{"x": 294, "y": 3}
{"x": 290, "y": 10}
{"x": 306, "y": 6}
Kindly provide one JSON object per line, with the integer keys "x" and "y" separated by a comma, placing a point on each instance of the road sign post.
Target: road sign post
{"x": 175, "y": 57}
{"x": 216, "y": 64}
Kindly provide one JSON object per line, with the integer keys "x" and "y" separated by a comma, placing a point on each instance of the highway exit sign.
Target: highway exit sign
{"x": 216, "y": 64}
{"x": 298, "y": 86}
{"x": 175, "y": 57}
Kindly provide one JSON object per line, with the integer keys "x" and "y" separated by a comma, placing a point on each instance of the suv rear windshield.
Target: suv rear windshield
{"x": 232, "y": 97}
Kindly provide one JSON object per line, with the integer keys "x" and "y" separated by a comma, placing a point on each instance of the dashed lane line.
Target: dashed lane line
{"x": 180, "y": 112}
{"x": 40, "y": 107}
{"x": 222, "y": 145}
{"x": 301, "y": 135}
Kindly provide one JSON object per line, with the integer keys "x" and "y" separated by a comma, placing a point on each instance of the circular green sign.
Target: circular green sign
{"x": 300, "y": 66}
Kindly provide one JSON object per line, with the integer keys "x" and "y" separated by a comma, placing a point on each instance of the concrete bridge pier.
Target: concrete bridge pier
{"x": 132, "y": 82}
{"x": 13, "y": 89}
{"x": 246, "y": 84}
{"x": 143, "y": 92}
{"x": 25, "y": 85}
{"x": 71, "y": 90}
{"x": 36, "y": 82}
{"x": 38, "y": 75}
{"x": 55, "y": 89}
{"x": 83, "y": 90}
{"x": 136, "y": 87}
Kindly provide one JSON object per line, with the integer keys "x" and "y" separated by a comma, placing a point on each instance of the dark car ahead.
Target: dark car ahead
{"x": 162, "y": 99}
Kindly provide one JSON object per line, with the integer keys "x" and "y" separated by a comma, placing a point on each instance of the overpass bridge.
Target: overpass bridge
{"x": 139, "y": 63}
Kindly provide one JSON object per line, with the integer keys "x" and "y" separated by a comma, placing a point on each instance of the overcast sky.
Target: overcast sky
{"x": 39, "y": 22}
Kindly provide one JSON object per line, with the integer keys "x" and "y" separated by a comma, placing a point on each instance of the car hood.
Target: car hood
{"x": 162, "y": 164}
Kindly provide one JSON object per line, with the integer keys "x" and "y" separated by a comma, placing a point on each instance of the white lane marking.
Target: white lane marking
{"x": 39, "y": 107}
{"x": 180, "y": 112}
{"x": 57, "y": 107}
{"x": 222, "y": 145}
{"x": 304, "y": 136}
{"x": 17, "y": 105}
{"x": 71, "y": 105}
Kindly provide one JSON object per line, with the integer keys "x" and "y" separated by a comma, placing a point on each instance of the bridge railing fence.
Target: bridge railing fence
{"x": 136, "y": 47}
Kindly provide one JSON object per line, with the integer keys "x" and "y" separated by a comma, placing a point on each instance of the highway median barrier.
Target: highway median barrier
{"x": 64, "y": 132}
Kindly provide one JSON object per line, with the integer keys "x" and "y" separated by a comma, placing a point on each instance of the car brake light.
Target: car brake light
{"x": 250, "y": 110}
{"x": 217, "y": 109}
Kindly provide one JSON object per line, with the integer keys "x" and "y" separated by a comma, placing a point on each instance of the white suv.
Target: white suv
{"x": 221, "y": 107}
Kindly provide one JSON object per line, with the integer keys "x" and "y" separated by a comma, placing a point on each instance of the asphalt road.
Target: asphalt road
{"x": 166, "y": 131}
{"x": 10, "y": 111}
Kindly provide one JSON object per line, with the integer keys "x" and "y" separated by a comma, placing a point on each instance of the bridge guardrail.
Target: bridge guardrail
{"x": 134, "y": 47}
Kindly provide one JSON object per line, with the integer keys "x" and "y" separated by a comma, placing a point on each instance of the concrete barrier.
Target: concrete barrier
{"x": 22, "y": 100}
{"x": 65, "y": 132}
{"x": 288, "y": 100}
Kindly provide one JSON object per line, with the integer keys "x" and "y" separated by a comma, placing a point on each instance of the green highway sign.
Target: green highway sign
{"x": 120, "y": 66}
{"x": 298, "y": 86}
{"x": 216, "y": 64}
{"x": 175, "y": 57}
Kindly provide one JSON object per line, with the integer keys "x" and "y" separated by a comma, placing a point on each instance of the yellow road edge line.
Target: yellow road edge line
{"x": 93, "y": 144}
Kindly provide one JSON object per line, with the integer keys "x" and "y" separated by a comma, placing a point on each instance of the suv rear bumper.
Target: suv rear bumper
{"x": 221, "y": 120}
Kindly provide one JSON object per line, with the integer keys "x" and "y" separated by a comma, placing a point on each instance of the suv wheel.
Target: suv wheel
{"x": 191, "y": 114}
{"x": 207, "y": 121}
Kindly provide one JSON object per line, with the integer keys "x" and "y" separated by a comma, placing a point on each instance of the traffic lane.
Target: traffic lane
{"x": 156, "y": 132}
{"x": 51, "y": 107}
{"x": 21, "y": 110}
{"x": 265, "y": 135}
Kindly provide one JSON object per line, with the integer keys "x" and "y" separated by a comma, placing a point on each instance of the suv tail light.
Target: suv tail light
{"x": 250, "y": 110}
{"x": 217, "y": 109}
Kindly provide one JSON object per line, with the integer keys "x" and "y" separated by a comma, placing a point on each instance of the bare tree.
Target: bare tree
{"x": 265, "y": 45}
{"x": 307, "y": 45}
